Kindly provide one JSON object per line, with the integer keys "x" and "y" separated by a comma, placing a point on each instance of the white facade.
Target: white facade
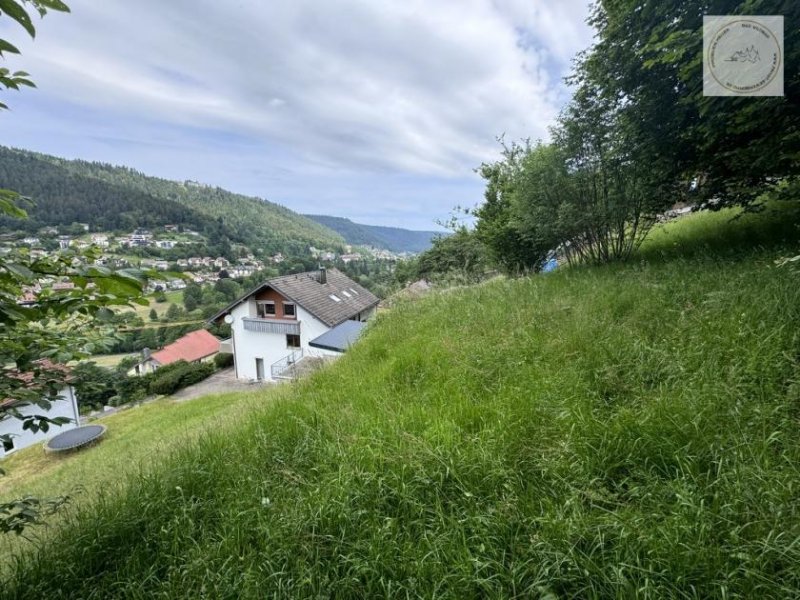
{"x": 65, "y": 406}
{"x": 254, "y": 348}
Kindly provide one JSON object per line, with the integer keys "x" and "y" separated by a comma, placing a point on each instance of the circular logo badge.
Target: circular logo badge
{"x": 744, "y": 56}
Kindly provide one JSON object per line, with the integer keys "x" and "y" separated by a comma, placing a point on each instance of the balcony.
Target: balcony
{"x": 260, "y": 325}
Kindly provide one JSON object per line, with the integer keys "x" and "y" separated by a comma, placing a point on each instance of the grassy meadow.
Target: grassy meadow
{"x": 599, "y": 432}
{"x": 137, "y": 439}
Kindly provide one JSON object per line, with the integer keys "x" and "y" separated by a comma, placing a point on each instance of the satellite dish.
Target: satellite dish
{"x": 228, "y": 319}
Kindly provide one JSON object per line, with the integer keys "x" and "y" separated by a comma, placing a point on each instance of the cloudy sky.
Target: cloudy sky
{"x": 374, "y": 110}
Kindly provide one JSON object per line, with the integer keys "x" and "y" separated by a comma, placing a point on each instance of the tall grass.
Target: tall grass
{"x": 624, "y": 431}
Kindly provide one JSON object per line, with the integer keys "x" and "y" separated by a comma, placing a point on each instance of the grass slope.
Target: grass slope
{"x": 629, "y": 430}
{"x": 137, "y": 439}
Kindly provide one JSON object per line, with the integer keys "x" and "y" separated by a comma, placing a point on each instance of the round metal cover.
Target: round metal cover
{"x": 75, "y": 438}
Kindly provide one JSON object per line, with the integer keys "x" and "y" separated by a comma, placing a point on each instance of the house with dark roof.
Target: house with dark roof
{"x": 294, "y": 318}
{"x": 195, "y": 346}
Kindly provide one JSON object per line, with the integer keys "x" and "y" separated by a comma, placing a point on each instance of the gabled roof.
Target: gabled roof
{"x": 193, "y": 346}
{"x": 337, "y": 300}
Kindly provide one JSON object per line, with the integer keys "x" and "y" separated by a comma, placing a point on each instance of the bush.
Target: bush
{"x": 223, "y": 361}
{"x": 178, "y": 375}
{"x": 94, "y": 385}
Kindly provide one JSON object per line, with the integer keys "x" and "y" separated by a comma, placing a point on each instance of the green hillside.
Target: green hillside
{"x": 113, "y": 198}
{"x": 389, "y": 238}
{"x": 607, "y": 432}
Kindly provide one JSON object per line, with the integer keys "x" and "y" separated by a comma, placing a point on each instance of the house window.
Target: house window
{"x": 266, "y": 309}
{"x": 292, "y": 340}
{"x": 8, "y": 446}
{"x": 288, "y": 309}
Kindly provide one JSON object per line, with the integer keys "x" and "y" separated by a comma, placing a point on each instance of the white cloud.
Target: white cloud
{"x": 402, "y": 86}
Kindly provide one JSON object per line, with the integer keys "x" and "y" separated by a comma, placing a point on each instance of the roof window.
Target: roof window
{"x": 335, "y": 298}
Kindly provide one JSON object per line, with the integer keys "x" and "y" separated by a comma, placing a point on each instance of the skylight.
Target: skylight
{"x": 346, "y": 294}
{"x": 355, "y": 292}
{"x": 335, "y": 298}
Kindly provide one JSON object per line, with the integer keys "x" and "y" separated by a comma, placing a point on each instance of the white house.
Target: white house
{"x": 291, "y": 318}
{"x": 99, "y": 239}
{"x": 66, "y": 405}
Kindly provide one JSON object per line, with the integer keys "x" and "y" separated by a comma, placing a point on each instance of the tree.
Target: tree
{"x": 173, "y": 312}
{"x": 192, "y": 296}
{"x": 648, "y": 55}
{"x": 498, "y": 226}
{"x": 460, "y": 254}
{"x": 60, "y": 326}
{"x": 153, "y": 314}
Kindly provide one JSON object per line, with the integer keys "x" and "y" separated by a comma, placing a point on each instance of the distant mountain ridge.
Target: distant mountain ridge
{"x": 394, "y": 239}
{"x": 112, "y": 198}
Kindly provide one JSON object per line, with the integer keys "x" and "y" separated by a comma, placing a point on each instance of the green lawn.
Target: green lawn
{"x": 109, "y": 360}
{"x": 173, "y": 297}
{"x": 622, "y": 431}
{"x": 137, "y": 438}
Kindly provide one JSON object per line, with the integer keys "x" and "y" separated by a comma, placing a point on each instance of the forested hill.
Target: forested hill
{"x": 117, "y": 198}
{"x": 389, "y": 238}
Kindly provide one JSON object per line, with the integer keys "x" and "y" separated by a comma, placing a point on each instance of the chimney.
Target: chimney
{"x": 323, "y": 275}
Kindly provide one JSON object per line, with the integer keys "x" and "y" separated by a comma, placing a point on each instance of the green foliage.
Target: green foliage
{"x": 153, "y": 315}
{"x": 174, "y": 313}
{"x": 64, "y": 196}
{"x": 94, "y": 385}
{"x": 223, "y": 361}
{"x": 460, "y": 253}
{"x": 608, "y": 432}
{"x": 649, "y": 55}
{"x": 116, "y": 198}
{"x": 497, "y": 226}
{"x": 588, "y": 195}
{"x": 60, "y": 326}
{"x": 17, "y": 11}
{"x": 178, "y": 375}
{"x": 18, "y": 515}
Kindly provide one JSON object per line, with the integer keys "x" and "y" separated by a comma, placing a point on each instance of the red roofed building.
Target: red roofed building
{"x": 197, "y": 346}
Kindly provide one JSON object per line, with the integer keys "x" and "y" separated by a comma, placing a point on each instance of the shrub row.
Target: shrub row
{"x": 96, "y": 386}
{"x": 178, "y": 375}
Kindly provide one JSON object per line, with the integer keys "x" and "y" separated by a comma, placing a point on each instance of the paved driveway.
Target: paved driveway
{"x": 219, "y": 383}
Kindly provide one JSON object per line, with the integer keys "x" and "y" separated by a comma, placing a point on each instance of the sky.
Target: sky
{"x": 375, "y": 110}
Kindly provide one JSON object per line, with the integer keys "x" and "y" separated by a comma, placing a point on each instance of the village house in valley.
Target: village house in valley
{"x": 294, "y": 318}
{"x": 196, "y": 346}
